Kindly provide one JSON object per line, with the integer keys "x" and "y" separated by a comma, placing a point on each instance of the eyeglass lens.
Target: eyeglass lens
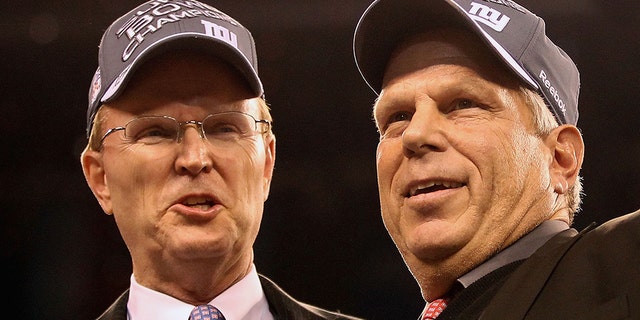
{"x": 220, "y": 127}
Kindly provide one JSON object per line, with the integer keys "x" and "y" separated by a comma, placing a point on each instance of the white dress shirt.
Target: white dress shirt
{"x": 244, "y": 300}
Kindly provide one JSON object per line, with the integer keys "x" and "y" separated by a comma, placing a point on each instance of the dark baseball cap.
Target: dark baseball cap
{"x": 155, "y": 26}
{"x": 512, "y": 32}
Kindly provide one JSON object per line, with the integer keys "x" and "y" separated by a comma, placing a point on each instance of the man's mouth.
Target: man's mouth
{"x": 432, "y": 187}
{"x": 202, "y": 203}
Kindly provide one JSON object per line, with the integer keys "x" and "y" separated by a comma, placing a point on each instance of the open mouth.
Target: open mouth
{"x": 202, "y": 203}
{"x": 433, "y": 187}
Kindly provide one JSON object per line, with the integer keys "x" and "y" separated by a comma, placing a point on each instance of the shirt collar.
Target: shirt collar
{"x": 243, "y": 300}
{"x": 521, "y": 249}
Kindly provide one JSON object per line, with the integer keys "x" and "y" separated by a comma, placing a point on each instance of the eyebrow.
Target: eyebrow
{"x": 473, "y": 87}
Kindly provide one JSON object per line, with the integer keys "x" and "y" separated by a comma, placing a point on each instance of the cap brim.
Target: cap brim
{"x": 387, "y": 23}
{"x": 194, "y": 41}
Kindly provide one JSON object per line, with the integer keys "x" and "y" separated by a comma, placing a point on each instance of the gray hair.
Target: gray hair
{"x": 545, "y": 122}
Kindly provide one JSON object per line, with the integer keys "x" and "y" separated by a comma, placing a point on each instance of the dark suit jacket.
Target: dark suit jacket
{"x": 282, "y": 306}
{"x": 594, "y": 274}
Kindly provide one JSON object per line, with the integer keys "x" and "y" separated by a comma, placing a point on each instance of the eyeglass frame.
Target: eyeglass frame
{"x": 198, "y": 125}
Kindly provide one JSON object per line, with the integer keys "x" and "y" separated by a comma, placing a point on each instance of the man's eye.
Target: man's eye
{"x": 395, "y": 125}
{"x": 153, "y": 135}
{"x": 222, "y": 128}
{"x": 460, "y": 104}
{"x": 154, "y": 132}
{"x": 400, "y": 116}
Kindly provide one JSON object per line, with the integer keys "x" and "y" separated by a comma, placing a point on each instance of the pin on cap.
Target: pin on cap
{"x": 512, "y": 32}
{"x": 134, "y": 37}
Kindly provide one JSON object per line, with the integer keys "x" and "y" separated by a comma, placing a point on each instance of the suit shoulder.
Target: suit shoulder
{"x": 285, "y": 307}
{"x": 623, "y": 227}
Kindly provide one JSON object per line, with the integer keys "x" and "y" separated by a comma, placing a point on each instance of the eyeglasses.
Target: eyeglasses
{"x": 218, "y": 128}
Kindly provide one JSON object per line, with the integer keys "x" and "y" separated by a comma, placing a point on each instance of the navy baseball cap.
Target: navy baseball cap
{"x": 512, "y": 32}
{"x": 133, "y": 38}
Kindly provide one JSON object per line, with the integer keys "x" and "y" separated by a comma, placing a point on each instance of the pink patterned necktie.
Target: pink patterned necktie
{"x": 434, "y": 309}
{"x": 206, "y": 312}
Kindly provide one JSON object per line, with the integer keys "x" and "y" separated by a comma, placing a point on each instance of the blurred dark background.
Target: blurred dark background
{"x": 322, "y": 238}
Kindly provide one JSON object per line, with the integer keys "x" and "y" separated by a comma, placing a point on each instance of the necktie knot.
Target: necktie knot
{"x": 434, "y": 309}
{"x": 206, "y": 312}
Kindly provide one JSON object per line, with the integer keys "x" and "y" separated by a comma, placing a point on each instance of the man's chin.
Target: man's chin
{"x": 432, "y": 246}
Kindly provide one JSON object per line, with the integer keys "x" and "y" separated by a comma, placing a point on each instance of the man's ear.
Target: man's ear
{"x": 269, "y": 163}
{"x": 567, "y": 147}
{"x": 94, "y": 173}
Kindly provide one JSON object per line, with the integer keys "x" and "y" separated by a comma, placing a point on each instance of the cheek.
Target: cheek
{"x": 386, "y": 169}
{"x": 243, "y": 171}
{"x": 122, "y": 177}
{"x": 136, "y": 189}
{"x": 251, "y": 161}
{"x": 515, "y": 160}
{"x": 388, "y": 160}
{"x": 390, "y": 223}
{"x": 494, "y": 156}
{"x": 132, "y": 181}
{"x": 510, "y": 179}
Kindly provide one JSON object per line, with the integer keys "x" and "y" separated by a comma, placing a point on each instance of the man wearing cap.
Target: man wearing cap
{"x": 181, "y": 153}
{"x": 478, "y": 165}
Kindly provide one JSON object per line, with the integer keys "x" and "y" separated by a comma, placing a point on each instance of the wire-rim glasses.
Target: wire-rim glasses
{"x": 218, "y": 128}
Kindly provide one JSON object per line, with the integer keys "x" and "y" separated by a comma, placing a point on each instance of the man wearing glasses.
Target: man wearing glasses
{"x": 181, "y": 153}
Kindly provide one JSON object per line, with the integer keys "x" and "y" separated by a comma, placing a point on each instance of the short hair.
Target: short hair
{"x": 545, "y": 122}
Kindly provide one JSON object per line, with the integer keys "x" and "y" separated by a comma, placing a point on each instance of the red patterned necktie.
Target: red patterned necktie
{"x": 434, "y": 309}
{"x": 206, "y": 312}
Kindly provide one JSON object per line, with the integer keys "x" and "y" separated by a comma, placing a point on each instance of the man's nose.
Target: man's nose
{"x": 194, "y": 153}
{"x": 424, "y": 132}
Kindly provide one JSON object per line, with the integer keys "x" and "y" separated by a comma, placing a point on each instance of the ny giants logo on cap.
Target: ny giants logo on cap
{"x": 497, "y": 21}
{"x": 159, "y": 13}
{"x": 493, "y": 18}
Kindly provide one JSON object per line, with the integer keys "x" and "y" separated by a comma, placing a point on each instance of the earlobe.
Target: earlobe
{"x": 93, "y": 169}
{"x": 567, "y": 148}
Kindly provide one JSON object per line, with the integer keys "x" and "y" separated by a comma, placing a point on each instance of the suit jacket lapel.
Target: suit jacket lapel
{"x": 279, "y": 301}
{"x": 519, "y": 292}
{"x": 285, "y": 307}
{"x": 118, "y": 310}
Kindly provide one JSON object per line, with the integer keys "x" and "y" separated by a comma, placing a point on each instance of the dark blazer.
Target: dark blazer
{"x": 282, "y": 306}
{"x": 594, "y": 274}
